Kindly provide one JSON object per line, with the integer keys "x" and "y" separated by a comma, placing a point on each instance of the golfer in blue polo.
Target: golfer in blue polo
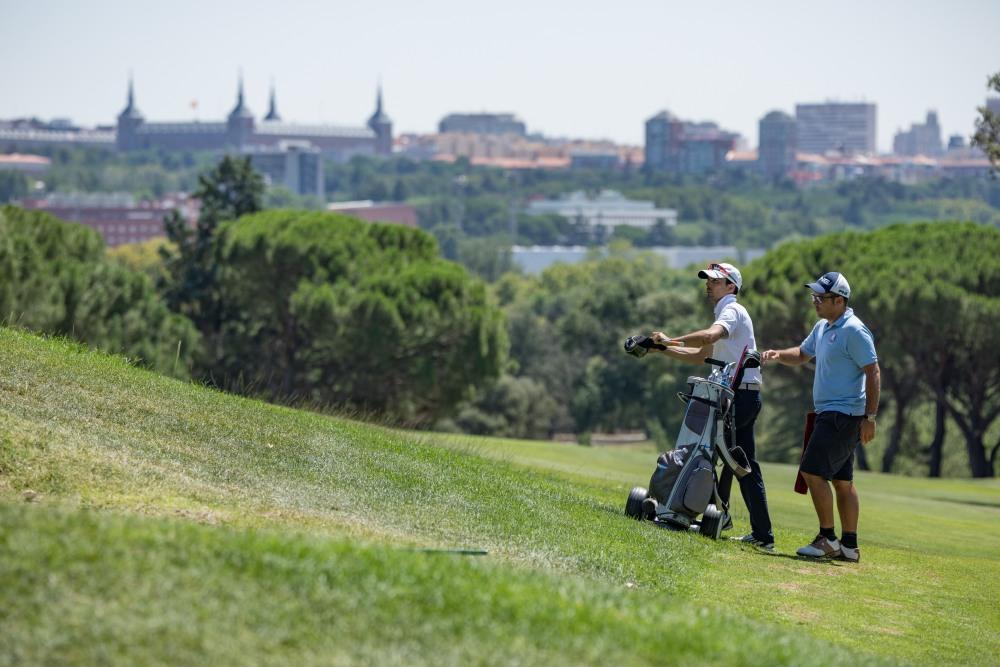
{"x": 846, "y": 394}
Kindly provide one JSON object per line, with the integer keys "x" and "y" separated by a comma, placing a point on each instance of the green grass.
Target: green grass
{"x": 178, "y": 525}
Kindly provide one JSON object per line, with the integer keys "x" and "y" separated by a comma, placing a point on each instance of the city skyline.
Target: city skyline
{"x": 580, "y": 70}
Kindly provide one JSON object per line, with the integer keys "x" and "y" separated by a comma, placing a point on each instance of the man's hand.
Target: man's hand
{"x": 769, "y": 355}
{"x": 867, "y": 431}
{"x": 661, "y": 338}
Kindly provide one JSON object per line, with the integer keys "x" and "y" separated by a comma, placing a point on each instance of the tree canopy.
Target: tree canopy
{"x": 333, "y": 310}
{"x": 54, "y": 279}
{"x": 987, "y": 134}
{"x": 929, "y": 293}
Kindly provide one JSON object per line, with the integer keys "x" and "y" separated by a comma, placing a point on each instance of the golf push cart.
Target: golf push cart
{"x": 684, "y": 485}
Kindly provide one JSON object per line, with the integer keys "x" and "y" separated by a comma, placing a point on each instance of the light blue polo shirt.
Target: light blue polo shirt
{"x": 842, "y": 350}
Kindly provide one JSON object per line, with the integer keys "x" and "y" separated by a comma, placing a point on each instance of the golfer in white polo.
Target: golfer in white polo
{"x": 725, "y": 340}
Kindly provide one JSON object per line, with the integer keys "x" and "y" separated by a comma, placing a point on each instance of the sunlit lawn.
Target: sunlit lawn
{"x": 171, "y": 524}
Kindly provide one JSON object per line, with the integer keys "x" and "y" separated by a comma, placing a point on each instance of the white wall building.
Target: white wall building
{"x": 535, "y": 259}
{"x": 609, "y": 209}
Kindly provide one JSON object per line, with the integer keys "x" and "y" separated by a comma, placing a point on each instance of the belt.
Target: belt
{"x": 750, "y": 386}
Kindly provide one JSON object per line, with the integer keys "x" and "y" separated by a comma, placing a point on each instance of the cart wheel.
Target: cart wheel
{"x": 633, "y": 506}
{"x": 711, "y": 522}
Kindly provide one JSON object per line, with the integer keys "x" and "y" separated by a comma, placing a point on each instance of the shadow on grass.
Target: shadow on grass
{"x": 800, "y": 559}
{"x": 977, "y": 503}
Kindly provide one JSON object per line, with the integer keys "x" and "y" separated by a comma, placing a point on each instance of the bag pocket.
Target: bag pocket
{"x": 695, "y": 489}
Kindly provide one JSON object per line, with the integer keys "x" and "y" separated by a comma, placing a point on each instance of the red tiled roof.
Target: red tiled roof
{"x": 25, "y": 159}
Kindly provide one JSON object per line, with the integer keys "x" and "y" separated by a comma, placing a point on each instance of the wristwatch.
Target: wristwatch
{"x": 871, "y": 417}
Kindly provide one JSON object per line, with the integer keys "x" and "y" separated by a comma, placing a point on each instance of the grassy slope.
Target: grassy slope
{"x": 236, "y": 532}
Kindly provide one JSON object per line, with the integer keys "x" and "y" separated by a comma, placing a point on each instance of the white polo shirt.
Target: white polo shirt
{"x": 735, "y": 319}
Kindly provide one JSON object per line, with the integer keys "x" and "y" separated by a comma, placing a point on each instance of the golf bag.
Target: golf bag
{"x": 684, "y": 485}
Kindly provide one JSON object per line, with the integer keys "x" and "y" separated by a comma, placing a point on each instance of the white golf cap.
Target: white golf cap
{"x": 832, "y": 282}
{"x": 723, "y": 270}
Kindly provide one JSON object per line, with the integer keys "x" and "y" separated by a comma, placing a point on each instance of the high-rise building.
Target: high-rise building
{"x": 920, "y": 139}
{"x": 293, "y": 165}
{"x": 482, "y": 123}
{"x": 684, "y": 147}
{"x": 836, "y": 126}
{"x": 776, "y": 154}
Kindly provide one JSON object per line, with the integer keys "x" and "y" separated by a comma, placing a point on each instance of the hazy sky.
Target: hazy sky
{"x": 580, "y": 69}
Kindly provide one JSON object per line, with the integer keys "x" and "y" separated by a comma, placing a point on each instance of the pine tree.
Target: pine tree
{"x": 987, "y": 134}
{"x": 230, "y": 190}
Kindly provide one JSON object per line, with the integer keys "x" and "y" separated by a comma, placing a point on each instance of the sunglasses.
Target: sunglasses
{"x": 817, "y": 298}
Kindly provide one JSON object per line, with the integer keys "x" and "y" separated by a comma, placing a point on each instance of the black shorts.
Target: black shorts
{"x": 830, "y": 450}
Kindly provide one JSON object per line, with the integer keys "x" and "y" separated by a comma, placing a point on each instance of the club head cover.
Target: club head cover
{"x": 752, "y": 359}
{"x": 639, "y": 345}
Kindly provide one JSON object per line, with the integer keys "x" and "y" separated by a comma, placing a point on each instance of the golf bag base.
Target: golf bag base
{"x": 641, "y": 506}
{"x": 684, "y": 485}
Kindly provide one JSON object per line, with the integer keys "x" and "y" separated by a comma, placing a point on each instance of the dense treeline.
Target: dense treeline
{"x": 568, "y": 372}
{"x": 54, "y": 278}
{"x": 340, "y": 312}
{"x": 317, "y": 307}
{"x": 476, "y": 213}
{"x": 928, "y": 291}
{"x": 931, "y": 295}
{"x": 289, "y": 305}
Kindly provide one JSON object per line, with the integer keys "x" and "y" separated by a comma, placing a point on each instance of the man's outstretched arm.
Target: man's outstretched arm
{"x": 791, "y": 356}
{"x": 692, "y": 348}
{"x": 702, "y": 338}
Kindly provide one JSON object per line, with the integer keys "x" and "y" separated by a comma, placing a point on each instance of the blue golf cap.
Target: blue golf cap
{"x": 831, "y": 283}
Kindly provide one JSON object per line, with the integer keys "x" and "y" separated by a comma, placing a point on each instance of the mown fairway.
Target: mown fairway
{"x": 177, "y": 525}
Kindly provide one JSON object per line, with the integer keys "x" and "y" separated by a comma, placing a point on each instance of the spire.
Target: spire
{"x": 379, "y": 117}
{"x": 130, "y": 110}
{"x": 239, "y": 93}
{"x": 272, "y": 110}
{"x": 240, "y": 110}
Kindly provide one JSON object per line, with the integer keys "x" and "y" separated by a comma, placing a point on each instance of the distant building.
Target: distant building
{"x": 834, "y": 126}
{"x": 684, "y": 147}
{"x": 993, "y": 104}
{"x": 240, "y": 131}
{"x": 510, "y": 151}
{"x": 956, "y": 141}
{"x": 26, "y": 134}
{"x": 609, "y": 209}
{"x": 28, "y": 164}
{"x": 535, "y": 259}
{"x": 293, "y": 165}
{"x": 920, "y": 139}
{"x": 679, "y": 257}
{"x": 381, "y": 125}
{"x": 117, "y": 217}
{"x": 778, "y": 138}
{"x": 606, "y": 160}
{"x": 482, "y": 123}
{"x": 907, "y": 169}
{"x": 391, "y": 212}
